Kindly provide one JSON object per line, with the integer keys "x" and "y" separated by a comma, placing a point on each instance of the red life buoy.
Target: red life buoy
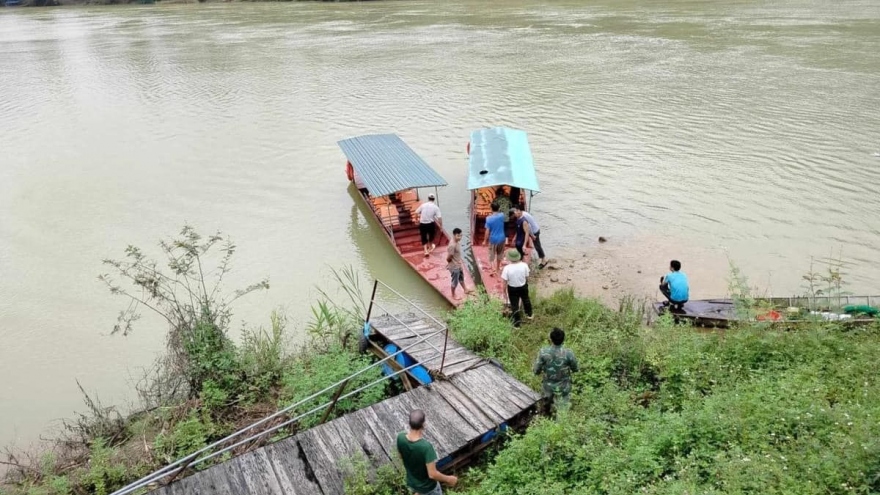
{"x": 349, "y": 171}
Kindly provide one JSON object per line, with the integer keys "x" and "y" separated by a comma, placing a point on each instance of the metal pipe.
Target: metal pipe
{"x": 410, "y": 329}
{"x": 398, "y": 294}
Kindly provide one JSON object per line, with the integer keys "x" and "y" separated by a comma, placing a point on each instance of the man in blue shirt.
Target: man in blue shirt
{"x": 496, "y": 237}
{"x": 674, "y": 285}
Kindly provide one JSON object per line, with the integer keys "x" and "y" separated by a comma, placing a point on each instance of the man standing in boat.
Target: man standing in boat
{"x": 420, "y": 459}
{"x": 453, "y": 263}
{"x": 496, "y": 236}
{"x": 528, "y": 232}
{"x": 515, "y": 283}
{"x": 674, "y": 285}
{"x": 429, "y": 219}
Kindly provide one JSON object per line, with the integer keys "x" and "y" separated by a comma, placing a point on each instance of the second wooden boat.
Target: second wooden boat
{"x": 388, "y": 175}
{"x": 501, "y": 170}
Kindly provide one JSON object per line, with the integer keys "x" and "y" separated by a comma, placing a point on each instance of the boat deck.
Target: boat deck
{"x": 481, "y": 209}
{"x": 397, "y": 213}
{"x": 473, "y": 400}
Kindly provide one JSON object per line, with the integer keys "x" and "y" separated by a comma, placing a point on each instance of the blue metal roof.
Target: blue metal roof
{"x": 501, "y": 156}
{"x": 387, "y": 165}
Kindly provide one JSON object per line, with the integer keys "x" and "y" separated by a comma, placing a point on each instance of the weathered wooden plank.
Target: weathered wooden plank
{"x": 439, "y": 428}
{"x": 453, "y": 423}
{"x": 497, "y": 389}
{"x": 478, "y": 395}
{"x": 369, "y": 443}
{"x": 464, "y": 406}
{"x": 257, "y": 474}
{"x": 322, "y": 460}
{"x": 517, "y": 385}
{"x": 492, "y": 375}
{"x": 385, "y": 431}
{"x": 292, "y": 472}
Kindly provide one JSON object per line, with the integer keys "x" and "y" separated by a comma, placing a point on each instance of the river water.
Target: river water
{"x": 671, "y": 127}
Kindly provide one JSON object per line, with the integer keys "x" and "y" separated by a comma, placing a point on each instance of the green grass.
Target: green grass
{"x": 670, "y": 409}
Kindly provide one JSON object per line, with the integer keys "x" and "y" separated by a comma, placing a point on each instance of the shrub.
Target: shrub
{"x": 313, "y": 372}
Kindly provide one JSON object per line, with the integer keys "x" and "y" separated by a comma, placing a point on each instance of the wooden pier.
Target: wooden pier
{"x": 467, "y": 401}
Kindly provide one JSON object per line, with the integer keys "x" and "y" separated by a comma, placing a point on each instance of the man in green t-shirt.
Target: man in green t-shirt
{"x": 420, "y": 459}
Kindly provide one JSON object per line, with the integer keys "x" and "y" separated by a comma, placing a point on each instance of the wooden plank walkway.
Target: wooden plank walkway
{"x": 474, "y": 398}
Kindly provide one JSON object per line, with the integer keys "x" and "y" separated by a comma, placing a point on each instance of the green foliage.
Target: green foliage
{"x": 103, "y": 475}
{"x": 479, "y": 326}
{"x": 188, "y": 296}
{"x": 361, "y": 479}
{"x": 184, "y": 438}
{"x": 672, "y": 410}
{"x": 312, "y": 373}
{"x": 263, "y": 356}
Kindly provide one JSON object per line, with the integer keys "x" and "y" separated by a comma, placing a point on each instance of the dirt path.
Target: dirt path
{"x": 612, "y": 270}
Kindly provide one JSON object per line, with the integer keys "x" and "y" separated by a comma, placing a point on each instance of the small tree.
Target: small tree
{"x": 190, "y": 299}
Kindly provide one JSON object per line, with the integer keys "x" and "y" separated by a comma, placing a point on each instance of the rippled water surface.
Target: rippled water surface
{"x": 742, "y": 126}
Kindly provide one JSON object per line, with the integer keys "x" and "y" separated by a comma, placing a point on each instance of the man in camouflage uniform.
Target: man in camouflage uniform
{"x": 557, "y": 364}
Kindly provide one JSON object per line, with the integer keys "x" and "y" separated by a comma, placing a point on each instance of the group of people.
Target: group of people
{"x": 555, "y": 362}
{"x": 514, "y": 276}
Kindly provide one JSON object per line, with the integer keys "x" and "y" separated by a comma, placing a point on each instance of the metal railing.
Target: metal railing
{"x": 246, "y": 434}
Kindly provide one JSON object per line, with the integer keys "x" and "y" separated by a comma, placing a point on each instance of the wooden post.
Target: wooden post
{"x": 333, "y": 403}
{"x": 372, "y": 298}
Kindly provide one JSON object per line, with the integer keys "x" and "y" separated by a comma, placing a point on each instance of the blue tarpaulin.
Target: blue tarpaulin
{"x": 387, "y": 165}
{"x": 501, "y": 156}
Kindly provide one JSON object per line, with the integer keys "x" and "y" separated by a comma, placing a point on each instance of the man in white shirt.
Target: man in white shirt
{"x": 515, "y": 280}
{"x": 429, "y": 219}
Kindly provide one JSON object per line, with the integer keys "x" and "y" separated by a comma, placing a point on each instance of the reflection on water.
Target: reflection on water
{"x": 737, "y": 127}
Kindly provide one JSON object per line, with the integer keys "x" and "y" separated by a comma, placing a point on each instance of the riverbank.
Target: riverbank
{"x": 660, "y": 409}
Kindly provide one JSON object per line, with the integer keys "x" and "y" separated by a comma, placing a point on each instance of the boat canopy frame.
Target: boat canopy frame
{"x": 501, "y": 156}
{"x": 386, "y": 164}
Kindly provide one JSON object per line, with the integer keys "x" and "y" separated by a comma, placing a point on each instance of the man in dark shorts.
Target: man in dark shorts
{"x": 420, "y": 459}
{"x": 453, "y": 263}
{"x": 429, "y": 218}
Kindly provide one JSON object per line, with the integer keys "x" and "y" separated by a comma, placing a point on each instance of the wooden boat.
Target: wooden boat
{"x": 721, "y": 313}
{"x": 500, "y": 170}
{"x": 388, "y": 174}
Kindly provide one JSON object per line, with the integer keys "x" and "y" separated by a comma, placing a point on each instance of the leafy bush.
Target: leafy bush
{"x": 387, "y": 479}
{"x": 184, "y": 438}
{"x": 311, "y": 373}
{"x": 263, "y": 357}
{"x": 103, "y": 476}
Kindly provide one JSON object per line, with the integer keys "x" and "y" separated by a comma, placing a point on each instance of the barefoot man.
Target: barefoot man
{"x": 495, "y": 238}
{"x": 429, "y": 219}
{"x": 453, "y": 263}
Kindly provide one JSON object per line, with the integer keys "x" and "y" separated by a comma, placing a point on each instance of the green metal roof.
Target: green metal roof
{"x": 387, "y": 165}
{"x": 501, "y": 156}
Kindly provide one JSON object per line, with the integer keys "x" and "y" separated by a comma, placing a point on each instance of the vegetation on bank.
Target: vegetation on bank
{"x": 207, "y": 385}
{"x": 670, "y": 409}
{"x": 665, "y": 409}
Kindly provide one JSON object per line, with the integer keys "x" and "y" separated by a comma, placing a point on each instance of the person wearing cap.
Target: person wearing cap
{"x": 528, "y": 232}
{"x": 429, "y": 219}
{"x": 515, "y": 283}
